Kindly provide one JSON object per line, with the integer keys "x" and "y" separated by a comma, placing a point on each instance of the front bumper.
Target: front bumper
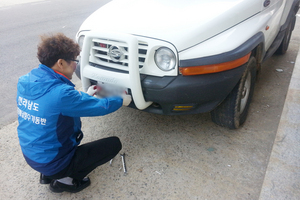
{"x": 167, "y": 94}
{"x": 200, "y": 93}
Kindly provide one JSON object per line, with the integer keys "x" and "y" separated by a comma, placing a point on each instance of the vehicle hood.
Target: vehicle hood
{"x": 182, "y": 23}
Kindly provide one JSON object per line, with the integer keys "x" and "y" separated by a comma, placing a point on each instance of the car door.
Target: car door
{"x": 272, "y": 10}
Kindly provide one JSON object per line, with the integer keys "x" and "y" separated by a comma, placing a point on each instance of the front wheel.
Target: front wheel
{"x": 232, "y": 112}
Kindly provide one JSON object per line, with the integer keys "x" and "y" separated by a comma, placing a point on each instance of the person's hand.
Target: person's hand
{"x": 126, "y": 99}
{"x": 92, "y": 90}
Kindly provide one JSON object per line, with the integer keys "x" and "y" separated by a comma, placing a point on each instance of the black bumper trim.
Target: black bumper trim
{"x": 205, "y": 92}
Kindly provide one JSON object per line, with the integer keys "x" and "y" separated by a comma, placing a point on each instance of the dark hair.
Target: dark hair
{"x": 56, "y": 47}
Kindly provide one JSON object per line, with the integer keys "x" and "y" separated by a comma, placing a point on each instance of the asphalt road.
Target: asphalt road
{"x": 168, "y": 157}
{"x": 21, "y": 25}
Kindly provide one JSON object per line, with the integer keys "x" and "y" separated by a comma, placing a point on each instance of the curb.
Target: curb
{"x": 282, "y": 179}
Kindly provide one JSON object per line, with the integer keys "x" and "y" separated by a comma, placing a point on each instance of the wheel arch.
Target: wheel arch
{"x": 258, "y": 53}
{"x": 242, "y": 50}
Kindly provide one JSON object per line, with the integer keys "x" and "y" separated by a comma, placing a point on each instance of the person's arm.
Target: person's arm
{"x": 94, "y": 88}
{"x": 79, "y": 104}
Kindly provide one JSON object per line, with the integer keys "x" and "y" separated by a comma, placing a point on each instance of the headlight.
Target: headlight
{"x": 165, "y": 59}
{"x": 80, "y": 41}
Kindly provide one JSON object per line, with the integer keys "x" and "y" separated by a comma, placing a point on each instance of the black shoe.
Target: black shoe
{"x": 44, "y": 179}
{"x": 77, "y": 186}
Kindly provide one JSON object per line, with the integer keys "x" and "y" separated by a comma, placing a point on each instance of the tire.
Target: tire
{"x": 232, "y": 112}
{"x": 287, "y": 37}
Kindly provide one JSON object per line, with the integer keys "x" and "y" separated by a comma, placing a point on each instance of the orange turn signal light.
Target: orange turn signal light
{"x": 214, "y": 68}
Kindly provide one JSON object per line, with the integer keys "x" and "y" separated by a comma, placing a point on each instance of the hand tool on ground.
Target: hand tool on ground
{"x": 123, "y": 162}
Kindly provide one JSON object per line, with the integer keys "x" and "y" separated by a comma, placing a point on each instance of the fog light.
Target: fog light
{"x": 182, "y": 108}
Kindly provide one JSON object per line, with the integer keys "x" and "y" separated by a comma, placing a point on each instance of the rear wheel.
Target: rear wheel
{"x": 287, "y": 37}
{"x": 232, "y": 112}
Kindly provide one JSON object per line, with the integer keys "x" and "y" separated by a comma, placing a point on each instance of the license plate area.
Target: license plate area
{"x": 109, "y": 90}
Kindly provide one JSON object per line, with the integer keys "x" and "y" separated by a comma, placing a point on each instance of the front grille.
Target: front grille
{"x": 101, "y": 49}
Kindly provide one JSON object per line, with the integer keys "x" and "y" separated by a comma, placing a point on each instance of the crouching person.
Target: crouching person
{"x": 49, "y": 111}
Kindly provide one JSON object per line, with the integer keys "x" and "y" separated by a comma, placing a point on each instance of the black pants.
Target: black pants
{"x": 89, "y": 156}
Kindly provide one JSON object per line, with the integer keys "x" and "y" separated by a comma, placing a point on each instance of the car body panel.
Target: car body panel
{"x": 160, "y": 19}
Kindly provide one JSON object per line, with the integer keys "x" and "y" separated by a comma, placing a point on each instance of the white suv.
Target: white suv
{"x": 185, "y": 57}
